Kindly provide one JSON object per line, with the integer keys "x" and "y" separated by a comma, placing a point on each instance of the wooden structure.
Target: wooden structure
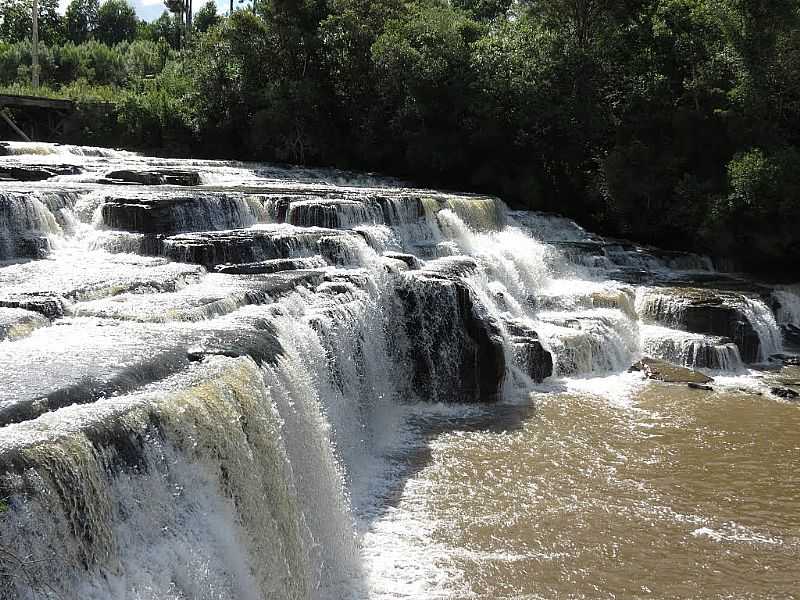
{"x": 36, "y": 118}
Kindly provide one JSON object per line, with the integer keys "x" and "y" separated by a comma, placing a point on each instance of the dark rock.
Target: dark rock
{"x": 51, "y": 307}
{"x": 333, "y": 213}
{"x": 709, "y": 312}
{"x": 661, "y": 370}
{"x": 787, "y": 359}
{"x": 726, "y": 321}
{"x": 785, "y": 393}
{"x": 37, "y": 172}
{"x": 450, "y": 267}
{"x": 258, "y": 245}
{"x": 791, "y": 333}
{"x": 412, "y": 261}
{"x": 160, "y": 177}
{"x": 170, "y": 214}
{"x": 458, "y": 350}
{"x": 700, "y": 386}
{"x": 23, "y": 245}
{"x": 528, "y": 351}
{"x": 531, "y": 355}
{"x": 271, "y": 266}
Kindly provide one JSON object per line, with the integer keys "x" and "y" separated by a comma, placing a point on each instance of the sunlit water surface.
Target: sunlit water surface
{"x": 667, "y": 493}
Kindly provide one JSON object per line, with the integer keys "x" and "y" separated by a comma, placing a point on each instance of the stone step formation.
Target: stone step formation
{"x": 194, "y": 353}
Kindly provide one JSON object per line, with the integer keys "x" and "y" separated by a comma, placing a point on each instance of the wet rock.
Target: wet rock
{"x": 272, "y": 266}
{"x": 537, "y": 361}
{"x": 622, "y": 299}
{"x": 50, "y": 307}
{"x": 450, "y": 267}
{"x": 36, "y": 172}
{"x": 21, "y": 246}
{"x": 661, "y": 370}
{"x": 257, "y": 245}
{"x": 262, "y": 345}
{"x": 791, "y": 333}
{"x": 709, "y": 312}
{"x": 787, "y": 359}
{"x": 529, "y": 352}
{"x": 409, "y": 259}
{"x": 458, "y": 350}
{"x": 16, "y": 323}
{"x": 785, "y": 393}
{"x": 700, "y": 386}
{"x": 333, "y": 213}
{"x": 170, "y": 214}
{"x": 160, "y": 177}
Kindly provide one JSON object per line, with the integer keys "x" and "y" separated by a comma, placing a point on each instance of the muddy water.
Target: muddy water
{"x": 669, "y": 494}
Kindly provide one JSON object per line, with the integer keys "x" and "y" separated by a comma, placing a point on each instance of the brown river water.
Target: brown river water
{"x": 670, "y": 493}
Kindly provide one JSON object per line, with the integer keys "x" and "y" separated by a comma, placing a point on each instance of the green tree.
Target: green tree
{"x": 81, "y": 19}
{"x": 424, "y": 81}
{"x": 116, "y": 22}
{"x": 206, "y": 17}
{"x": 166, "y": 28}
{"x": 16, "y": 23}
{"x": 485, "y": 10}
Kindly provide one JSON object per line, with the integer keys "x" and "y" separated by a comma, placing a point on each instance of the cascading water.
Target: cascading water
{"x": 788, "y": 305}
{"x": 204, "y": 386}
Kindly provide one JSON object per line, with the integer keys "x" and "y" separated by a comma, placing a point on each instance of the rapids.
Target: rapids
{"x": 261, "y": 382}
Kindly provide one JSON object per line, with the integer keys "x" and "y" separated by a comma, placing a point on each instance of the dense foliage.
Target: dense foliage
{"x": 675, "y": 122}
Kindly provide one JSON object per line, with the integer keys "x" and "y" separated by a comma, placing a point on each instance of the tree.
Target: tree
{"x": 182, "y": 11}
{"x": 166, "y": 28}
{"x": 206, "y": 17}
{"x": 16, "y": 23}
{"x": 425, "y": 82}
{"x": 484, "y": 10}
{"x": 116, "y": 22}
{"x": 81, "y": 20}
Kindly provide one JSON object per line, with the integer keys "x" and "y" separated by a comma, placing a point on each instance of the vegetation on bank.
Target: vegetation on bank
{"x": 674, "y": 122}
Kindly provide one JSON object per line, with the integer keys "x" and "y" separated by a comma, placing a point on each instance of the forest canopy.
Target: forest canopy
{"x": 673, "y": 122}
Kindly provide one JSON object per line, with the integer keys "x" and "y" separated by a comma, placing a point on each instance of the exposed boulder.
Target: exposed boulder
{"x": 160, "y": 177}
{"x": 36, "y": 172}
{"x": 785, "y": 393}
{"x": 537, "y": 361}
{"x": 661, "y": 370}
{"x": 700, "y": 386}
{"x": 710, "y": 312}
{"x": 529, "y": 352}
{"x": 412, "y": 261}
{"x": 458, "y": 350}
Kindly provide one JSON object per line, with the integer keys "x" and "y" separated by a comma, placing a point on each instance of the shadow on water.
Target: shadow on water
{"x": 432, "y": 421}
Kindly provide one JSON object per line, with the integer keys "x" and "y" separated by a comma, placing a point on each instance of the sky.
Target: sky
{"x": 152, "y": 9}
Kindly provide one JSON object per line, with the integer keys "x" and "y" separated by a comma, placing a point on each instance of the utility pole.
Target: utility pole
{"x": 35, "y": 43}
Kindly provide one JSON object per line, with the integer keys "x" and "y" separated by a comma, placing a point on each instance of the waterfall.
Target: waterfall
{"x": 168, "y": 493}
{"x": 205, "y": 385}
{"x": 788, "y": 305}
{"x": 690, "y": 350}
